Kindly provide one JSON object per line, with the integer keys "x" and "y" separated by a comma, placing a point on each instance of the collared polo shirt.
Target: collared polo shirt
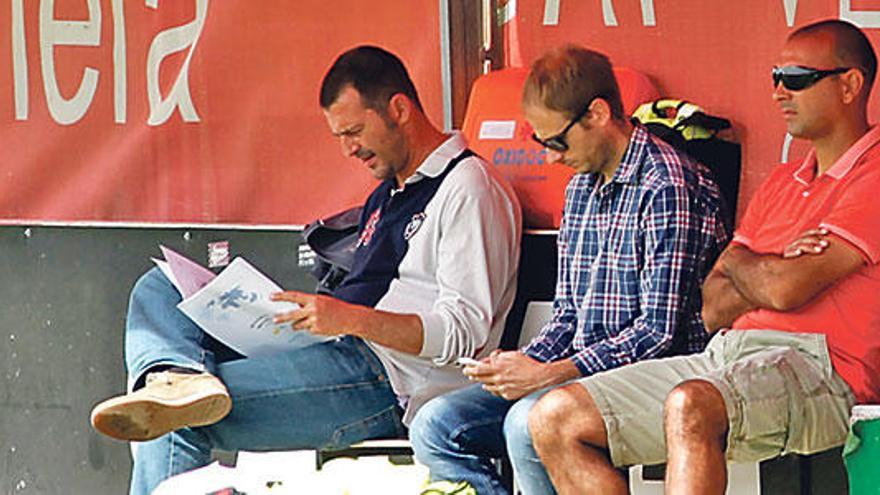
{"x": 443, "y": 246}
{"x": 846, "y": 201}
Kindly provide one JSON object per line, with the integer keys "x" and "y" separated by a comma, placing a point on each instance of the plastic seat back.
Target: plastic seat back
{"x": 496, "y": 129}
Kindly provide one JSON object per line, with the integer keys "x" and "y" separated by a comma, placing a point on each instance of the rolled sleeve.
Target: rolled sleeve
{"x": 433, "y": 328}
{"x": 554, "y": 340}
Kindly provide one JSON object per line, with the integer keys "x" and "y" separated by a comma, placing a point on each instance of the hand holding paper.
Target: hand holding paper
{"x": 235, "y": 307}
{"x": 320, "y": 315}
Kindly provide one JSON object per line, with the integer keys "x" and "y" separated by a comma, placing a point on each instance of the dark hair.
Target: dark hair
{"x": 567, "y": 78}
{"x": 851, "y": 46}
{"x": 375, "y": 73}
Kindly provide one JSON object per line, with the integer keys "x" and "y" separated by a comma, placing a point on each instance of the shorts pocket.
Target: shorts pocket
{"x": 765, "y": 390}
{"x": 820, "y": 406}
{"x": 786, "y": 405}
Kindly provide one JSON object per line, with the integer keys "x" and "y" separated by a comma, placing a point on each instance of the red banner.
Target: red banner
{"x": 196, "y": 111}
{"x": 716, "y": 54}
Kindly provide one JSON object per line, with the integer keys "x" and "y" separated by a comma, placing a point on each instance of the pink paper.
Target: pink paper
{"x": 190, "y": 276}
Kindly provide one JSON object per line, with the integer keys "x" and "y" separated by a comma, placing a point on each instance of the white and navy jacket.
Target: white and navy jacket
{"x": 445, "y": 246}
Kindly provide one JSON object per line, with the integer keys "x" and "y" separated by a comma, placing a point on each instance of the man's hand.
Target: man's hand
{"x": 512, "y": 375}
{"x": 321, "y": 315}
{"x": 812, "y": 241}
{"x": 325, "y": 315}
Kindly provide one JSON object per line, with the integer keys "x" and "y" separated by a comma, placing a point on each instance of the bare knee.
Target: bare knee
{"x": 567, "y": 413}
{"x": 696, "y": 407}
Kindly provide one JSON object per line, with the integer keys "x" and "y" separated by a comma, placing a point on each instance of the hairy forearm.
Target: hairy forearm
{"x": 754, "y": 275}
{"x": 401, "y": 332}
{"x": 788, "y": 281}
{"x": 560, "y": 372}
{"x": 770, "y": 281}
{"x": 722, "y": 302}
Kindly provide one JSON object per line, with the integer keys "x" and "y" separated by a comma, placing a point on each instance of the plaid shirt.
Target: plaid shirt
{"x": 632, "y": 257}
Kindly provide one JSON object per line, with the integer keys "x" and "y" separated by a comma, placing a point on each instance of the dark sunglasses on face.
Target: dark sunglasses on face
{"x": 797, "y": 78}
{"x": 558, "y": 142}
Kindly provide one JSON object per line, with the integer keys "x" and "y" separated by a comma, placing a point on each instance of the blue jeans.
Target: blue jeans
{"x": 457, "y": 434}
{"x": 328, "y": 395}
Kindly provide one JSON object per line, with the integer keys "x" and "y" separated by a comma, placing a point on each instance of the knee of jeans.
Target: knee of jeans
{"x": 516, "y": 427}
{"x": 152, "y": 283}
{"x": 431, "y": 428}
{"x": 151, "y": 280}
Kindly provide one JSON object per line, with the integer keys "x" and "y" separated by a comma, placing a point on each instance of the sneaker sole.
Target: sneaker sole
{"x": 139, "y": 420}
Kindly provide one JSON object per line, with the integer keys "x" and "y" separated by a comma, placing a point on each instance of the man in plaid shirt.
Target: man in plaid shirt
{"x": 641, "y": 228}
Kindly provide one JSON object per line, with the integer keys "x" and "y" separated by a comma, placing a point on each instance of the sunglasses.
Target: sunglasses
{"x": 558, "y": 142}
{"x": 797, "y": 78}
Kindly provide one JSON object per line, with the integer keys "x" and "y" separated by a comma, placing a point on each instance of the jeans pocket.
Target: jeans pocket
{"x": 383, "y": 424}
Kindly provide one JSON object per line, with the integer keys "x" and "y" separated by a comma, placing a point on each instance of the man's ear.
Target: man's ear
{"x": 400, "y": 108}
{"x": 600, "y": 112}
{"x": 853, "y": 85}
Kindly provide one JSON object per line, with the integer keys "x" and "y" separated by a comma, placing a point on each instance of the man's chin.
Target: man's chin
{"x": 579, "y": 168}
{"x": 796, "y": 131}
{"x": 381, "y": 173}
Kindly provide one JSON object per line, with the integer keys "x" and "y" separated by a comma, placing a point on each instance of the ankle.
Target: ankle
{"x": 163, "y": 368}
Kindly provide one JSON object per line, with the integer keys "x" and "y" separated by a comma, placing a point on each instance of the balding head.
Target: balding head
{"x": 850, "y": 47}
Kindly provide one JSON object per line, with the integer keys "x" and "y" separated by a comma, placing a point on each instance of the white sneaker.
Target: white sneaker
{"x": 169, "y": 401}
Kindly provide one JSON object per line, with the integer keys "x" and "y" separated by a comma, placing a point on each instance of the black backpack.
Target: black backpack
{"x": 330, "y": 245}
{"x": 686, "y": 127}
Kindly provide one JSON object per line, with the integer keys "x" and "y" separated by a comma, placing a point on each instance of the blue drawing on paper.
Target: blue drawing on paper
{"x": 233, "y": 298}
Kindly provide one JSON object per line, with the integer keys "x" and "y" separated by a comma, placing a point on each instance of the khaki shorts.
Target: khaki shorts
{"x": 779, "y": 388}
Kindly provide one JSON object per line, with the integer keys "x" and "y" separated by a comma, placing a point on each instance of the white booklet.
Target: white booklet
{"x": 234, "y": 306}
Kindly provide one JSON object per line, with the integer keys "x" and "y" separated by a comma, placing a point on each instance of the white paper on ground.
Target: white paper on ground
{"x": 235, "y": 309}
{"x": 208, "y": 479}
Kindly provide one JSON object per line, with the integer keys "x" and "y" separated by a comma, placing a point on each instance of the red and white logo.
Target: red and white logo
{"x": 369, "y": 228}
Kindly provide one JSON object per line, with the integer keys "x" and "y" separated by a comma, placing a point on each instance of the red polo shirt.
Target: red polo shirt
{"x": 846, "y": 201}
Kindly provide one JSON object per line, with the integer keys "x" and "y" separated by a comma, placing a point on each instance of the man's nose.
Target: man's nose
{"x": 780, "y": 93}
{"x": 553, "y": 156}
{"x": 349, "y": 145}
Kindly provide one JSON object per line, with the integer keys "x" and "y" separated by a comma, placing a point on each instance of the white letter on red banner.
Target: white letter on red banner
{"x": 551, "y": 13}
{"x": 79, "y": 33}
{"x": 19, "y": 62}
{"x": 166, "y": 43}
{"x": 119, "y": 63}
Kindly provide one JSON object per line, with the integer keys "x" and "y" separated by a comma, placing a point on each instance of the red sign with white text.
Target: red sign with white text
{"x": 196, "y": 111}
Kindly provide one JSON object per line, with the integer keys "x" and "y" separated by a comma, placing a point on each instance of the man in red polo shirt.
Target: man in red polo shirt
{"x": 796, "y": 294}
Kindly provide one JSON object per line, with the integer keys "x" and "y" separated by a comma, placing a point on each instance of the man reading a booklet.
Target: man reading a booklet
{"x": 433, "y": 279}
{"x": 234, "y": 307}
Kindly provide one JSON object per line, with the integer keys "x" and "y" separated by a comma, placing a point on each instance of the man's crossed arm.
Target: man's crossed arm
{"x": 743, "y": 280}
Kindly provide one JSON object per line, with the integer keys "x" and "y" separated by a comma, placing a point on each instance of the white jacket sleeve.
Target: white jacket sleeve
{"x": 478, "y": 256}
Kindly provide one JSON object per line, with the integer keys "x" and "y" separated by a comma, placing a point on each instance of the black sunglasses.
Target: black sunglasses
{"x": 797, "y": 78}
{"x": 558, "y": 142}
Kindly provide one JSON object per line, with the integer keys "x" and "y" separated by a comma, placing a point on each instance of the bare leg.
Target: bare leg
{"x": 569, "y": 435}
{"x": 695, "y": 422}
